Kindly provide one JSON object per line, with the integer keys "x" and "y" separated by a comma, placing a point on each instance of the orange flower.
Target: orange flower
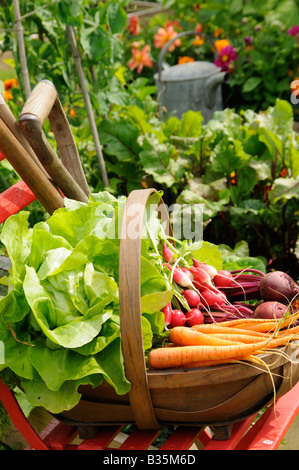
{"x": 185, "y": 59}
{"x": 174, "y": 23}
{"x": 164, "y": 35}
{"x": 283, "y": 172}
{"x": 7, "y": 95}
{"x": 72, "y": 113}
{"x": 233, "y": 178}
{"x": 140, "y": 59}
{"x": 198, "y": 41}
{"x": 11, "y": 83}
{"x": 221, "y": 43}
{"x": 134, "y": 25}
{"x": 217, "y": 32}
{"x": 198, "y": 28}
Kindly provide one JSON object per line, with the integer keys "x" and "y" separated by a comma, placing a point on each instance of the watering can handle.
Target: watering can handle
{"x": 165, "y": 48}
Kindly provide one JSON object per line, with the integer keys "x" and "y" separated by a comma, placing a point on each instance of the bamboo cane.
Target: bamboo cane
{"x": 88, "y": 105}
{"x": 21, "y": 46}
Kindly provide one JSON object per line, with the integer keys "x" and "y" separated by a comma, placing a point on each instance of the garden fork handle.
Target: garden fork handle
{"x": 9, "y": 119}
{"x": 68, "y": 174}
{"x": 47, "y": 194}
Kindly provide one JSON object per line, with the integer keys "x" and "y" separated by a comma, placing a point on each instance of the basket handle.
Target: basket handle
{"x": 130, "y": 306}
{"x": 67, "y": 173}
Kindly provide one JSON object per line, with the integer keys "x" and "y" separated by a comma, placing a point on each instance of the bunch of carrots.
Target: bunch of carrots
{"x": 213, "y": 344}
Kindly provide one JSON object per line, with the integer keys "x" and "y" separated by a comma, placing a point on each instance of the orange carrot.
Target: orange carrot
{"x": 216, "y": 328}
{"x": 239, "y": 338}
{"x": 185, "y": 336}
{"x": 267, "y": 327}
{"x": 164, "y": 358}
{"x": 218, "y": 363}
{"x": 288, "y": 331}
{"x": 254, "y": 322}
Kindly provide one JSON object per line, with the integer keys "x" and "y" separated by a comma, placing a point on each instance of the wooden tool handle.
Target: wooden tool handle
{"x": 130, "y": 305}
{"x": 8, "y": 118}
{"x": 34, "y": 177}
{"x": 44, "y": 103}
{"x": 32, "y": 129}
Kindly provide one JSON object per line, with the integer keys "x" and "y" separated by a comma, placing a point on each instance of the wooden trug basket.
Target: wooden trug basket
{"x": 214, "y": 396}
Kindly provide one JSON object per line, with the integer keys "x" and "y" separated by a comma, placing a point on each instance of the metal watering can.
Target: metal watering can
{"x": 191, "y": 86}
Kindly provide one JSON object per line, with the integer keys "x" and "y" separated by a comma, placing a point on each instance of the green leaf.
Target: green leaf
{"x": 116, "y": 16}
{"x": 74, "y": 334}
{"x": 38, "y": 394}
{"x": 95, "y": 42}
{"x": 203, "y": 251}
{"x": 284, "y": 189}
{"x": 270, "y": 140}
{"x": 140, "y": 118}
{"x": 151, "y": 303}
{"x": 120, "y": 140}
{"x": 16, "y": 236}
{"x": 251, "y": 83}
{"x": 69, "y": 12}
{"x": 57, "y": 366}
{"x": 158, "y": 160}
{"x": 16, "y": 353}
{"x": 190, "y": 124}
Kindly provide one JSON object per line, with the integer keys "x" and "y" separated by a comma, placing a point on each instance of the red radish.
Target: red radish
{"x": 178, "y": 318}
{"x": 199, "y": 286}
{"x": 167, "y": 253}
{"x": 213, "y": 298}
{"x": 270, "y": 309}
{"x": 201, "y": 276}
{"x": 188, "y": 273}
{"x": 192, "y": 297}
{"x": 167, "y": 310}
{"x": 180, "y": 277}
{"x": 279, "y": 286}
{"x": 194, "y": 317}
{"x": 206, "y": 267}
{"x": 223, "y": 278}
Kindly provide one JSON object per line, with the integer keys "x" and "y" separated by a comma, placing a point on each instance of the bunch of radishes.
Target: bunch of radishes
{"x": 202, "y": 286}
{"x": 212, "y": 295}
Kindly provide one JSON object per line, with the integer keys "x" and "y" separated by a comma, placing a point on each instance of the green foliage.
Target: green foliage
{"x": 241, "y": 167}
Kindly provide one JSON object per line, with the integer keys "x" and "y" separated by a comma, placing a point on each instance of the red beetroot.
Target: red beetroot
{"x": 278, "y": 285}
{"x": 194, "y": 317}
{"x": 178, "y": 318}
{"x": 270, "y": 309}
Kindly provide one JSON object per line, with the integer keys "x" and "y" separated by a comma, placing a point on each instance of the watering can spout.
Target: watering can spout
{"x": 211, "y": 86}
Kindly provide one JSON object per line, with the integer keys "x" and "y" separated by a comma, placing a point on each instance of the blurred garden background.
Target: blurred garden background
{"x": 241, "y": 166}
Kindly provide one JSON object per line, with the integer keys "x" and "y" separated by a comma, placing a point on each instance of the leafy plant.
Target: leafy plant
{"x": 240, "y": 168}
